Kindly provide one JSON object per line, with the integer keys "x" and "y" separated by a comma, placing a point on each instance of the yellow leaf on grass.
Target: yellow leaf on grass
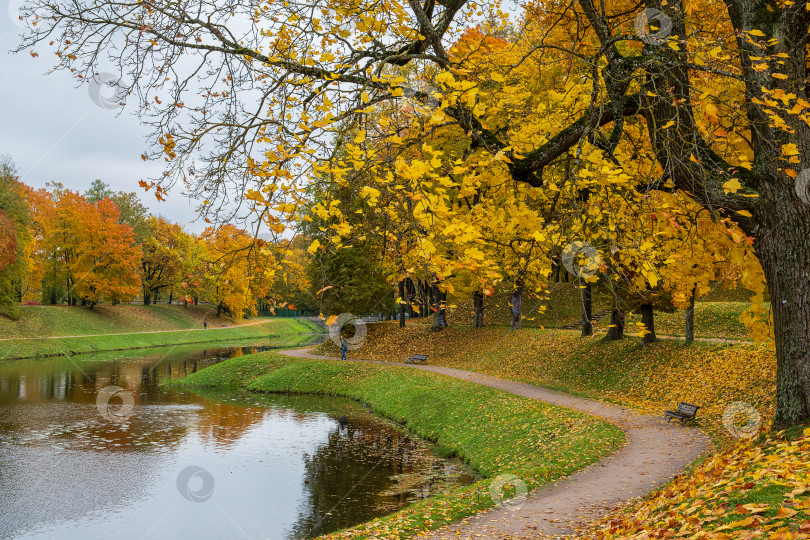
{"x": 755, "y": 508}
{"x": 736, "y": 524}
{"x": 786, "y": 512}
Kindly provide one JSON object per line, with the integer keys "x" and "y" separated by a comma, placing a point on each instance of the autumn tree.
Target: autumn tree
{"x": 195, "y": 258}
{"x": 107, "y": 259}
{"x": 161, "y": 265}
{"x": 240, "y": 270}
{"x": 81, "y": 252}
{"x": 291, "y": 285}
{"x": 130, "y": 209}
{"x": 14, "y": 239}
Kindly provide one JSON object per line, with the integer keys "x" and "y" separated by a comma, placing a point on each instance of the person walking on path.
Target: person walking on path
{"x": 205, "y": 324}
{"x": 343, "y": 347}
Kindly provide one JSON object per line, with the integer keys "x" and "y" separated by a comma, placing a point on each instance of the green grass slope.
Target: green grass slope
{"x": 46, "y": 321}
{"x": 29, "y": 348}
{"x": 496, "y": 433}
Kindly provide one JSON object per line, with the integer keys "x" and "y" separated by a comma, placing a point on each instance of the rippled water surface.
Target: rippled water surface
{"x": 151, "y": 462}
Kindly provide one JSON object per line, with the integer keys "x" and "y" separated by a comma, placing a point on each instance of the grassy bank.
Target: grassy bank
{"x": 494, "y": 432}
{"x": 47, "y": 321}
{"x": 652, "y": 379}
{"x": 29, "y": 348}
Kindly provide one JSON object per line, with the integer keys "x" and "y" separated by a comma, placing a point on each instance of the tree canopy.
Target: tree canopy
{"x": 489, "y": 144}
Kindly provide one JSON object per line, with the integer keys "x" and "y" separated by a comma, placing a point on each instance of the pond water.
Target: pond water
{"x": 92, "y": 447}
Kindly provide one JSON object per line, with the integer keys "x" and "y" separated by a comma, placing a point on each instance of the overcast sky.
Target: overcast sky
{"x": 55, "y": 131}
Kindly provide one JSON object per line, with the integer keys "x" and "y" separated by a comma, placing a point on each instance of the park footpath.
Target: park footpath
{"x": 654, "y": 453}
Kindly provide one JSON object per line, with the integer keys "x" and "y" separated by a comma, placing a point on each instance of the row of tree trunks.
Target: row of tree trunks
{"x": 415, "y": 299}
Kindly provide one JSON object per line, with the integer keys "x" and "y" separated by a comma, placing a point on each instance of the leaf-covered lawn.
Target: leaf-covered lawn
{"x": 493, "y": 431}
{"x": 752, "y": 490}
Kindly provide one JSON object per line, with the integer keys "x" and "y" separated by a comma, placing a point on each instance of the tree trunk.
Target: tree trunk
{"x": 401, "y": 303}
{"x": 439, "y": 316}
{"x": 587, "y": 310}
{"x": 219, "y": 309}
{"x": 147, "y": 298}
{"x": 616, "y": 330}
{"x": 171, "y": 297}
{"x": 690, "y": 320}
{"x": 516, "y": 306}
{"x": 418, "y": 292}
{"x": 478, "y": 309}
{"x": 648, "y": 320}
{"x": 783, "y": 248}
{"x": 425, "y": 299}
{"x": 410, "y": 290}
{"x": 430, "y": 297}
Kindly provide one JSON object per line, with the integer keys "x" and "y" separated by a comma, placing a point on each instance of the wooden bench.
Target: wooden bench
{"x": 685, "y": 412}
{"x": 417, "y": 359}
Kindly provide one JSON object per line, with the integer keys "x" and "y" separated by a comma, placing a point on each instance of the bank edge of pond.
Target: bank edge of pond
{"x": 496, "y": 433}
{"x": 68, "y": 346}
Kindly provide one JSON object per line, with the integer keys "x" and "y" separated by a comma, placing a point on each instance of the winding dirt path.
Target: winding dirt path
{"x": 654, "y": 452}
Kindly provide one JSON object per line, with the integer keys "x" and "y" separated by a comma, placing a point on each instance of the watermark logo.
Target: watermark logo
{"x": 803, "y": 186}
{"x": 581, "y": 259}
{"x": 642, "y": 26}
{"x": 508, "y": 491}
{"x": 112, "y": 411}
{"x": 344, "y": 322}
{"x": 20, "y": 16}
{"x": 195, "y": 484}
{"x": 422, "y": 99}
{"x": 106, "y": 91}
{"x": 740, "y": 410}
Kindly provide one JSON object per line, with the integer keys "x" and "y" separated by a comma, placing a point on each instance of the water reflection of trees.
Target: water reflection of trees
{"x": 75, "y": 382}
{"x": 350, "y": 477}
